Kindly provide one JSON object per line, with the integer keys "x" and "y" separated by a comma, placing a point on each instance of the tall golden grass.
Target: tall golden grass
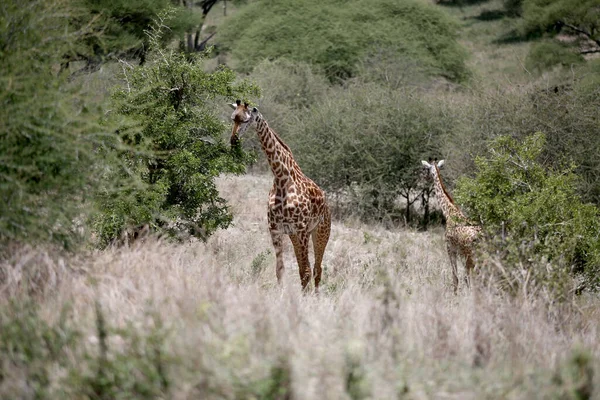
{"x": 386, "y": 324}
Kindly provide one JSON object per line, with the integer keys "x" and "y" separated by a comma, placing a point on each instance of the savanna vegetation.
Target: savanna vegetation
{"x": 134, "y": 256}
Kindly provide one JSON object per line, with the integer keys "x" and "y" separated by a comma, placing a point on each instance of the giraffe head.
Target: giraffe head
{"x": 431, "y": 167}
{"x": 242, "y": 117}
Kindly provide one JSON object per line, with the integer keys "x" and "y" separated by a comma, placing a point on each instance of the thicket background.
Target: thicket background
{"x": 115, "y": 130}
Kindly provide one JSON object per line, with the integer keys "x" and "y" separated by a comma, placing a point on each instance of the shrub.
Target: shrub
{"x": 166, "y": 115}
{"x": 364, "y": 143}
{"x": 32, "y": 350}
{"x": 336, "y": 36}
{"x": 138, "y": 370}
{"x": 563, "y": 107}
{"x": 546, "y": 55}
{"x": 535, "y": 209}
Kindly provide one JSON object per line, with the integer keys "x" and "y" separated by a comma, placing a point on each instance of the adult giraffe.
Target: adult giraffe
{"x": 460, "y": 234}
{"x": 297, "y": 206}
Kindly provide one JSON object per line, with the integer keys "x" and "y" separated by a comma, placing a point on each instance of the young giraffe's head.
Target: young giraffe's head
{"x": 431, "y": 168}
{"x": 242, "y": 117}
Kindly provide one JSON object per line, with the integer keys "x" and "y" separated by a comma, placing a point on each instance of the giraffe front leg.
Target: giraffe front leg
{"x": 300, "y": 243}
{"x": 452, "y": 253}
{"x": 277, "y": 239}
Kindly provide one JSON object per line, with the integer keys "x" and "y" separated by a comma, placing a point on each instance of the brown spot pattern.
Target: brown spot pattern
{"x": 297, "y": 206}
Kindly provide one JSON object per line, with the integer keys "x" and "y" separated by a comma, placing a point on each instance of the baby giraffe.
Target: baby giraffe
{"x": 461, "y": 234}
{"x": 297, "y": 206}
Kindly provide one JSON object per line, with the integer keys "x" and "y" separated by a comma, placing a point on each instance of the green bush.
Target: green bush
{"x": 166, "y": 113}
{"x": 535, "y": 209}
{"x": 32, "y": 350}
{"x": 363, "y": 143}
{"x": 138, "y": 370}
{"x": 336, "y": 36}
{"x": 545, "y": 55}
{"x": 564, "y": 107}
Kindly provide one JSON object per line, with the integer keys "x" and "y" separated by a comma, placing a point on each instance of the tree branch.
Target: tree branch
{"x": 590, "y": 51}
{"x": 581, "y": 31}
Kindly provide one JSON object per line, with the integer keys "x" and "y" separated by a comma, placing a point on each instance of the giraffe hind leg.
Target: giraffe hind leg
{"x": 320, "y": 237}
{"x": 452, "y": 253}
{"x": 300, "y": 243}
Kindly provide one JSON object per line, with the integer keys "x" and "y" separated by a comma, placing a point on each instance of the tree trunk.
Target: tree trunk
{"x": 407, "y": 212}
{"x": 425, "y": 202}
{"x": 197, "y": 37}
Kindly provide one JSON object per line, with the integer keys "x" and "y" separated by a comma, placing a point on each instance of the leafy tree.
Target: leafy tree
{"x": 336, "y": 36}
{"x": 50, "y": 139}
{"x": 580, "y": 18}
{"x": 170, "y": 120}
{"x": 535, "y": 209}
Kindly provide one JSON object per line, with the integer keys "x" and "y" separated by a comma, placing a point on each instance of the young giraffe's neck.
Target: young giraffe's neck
{"x": 450, "y": 210}
{"x": 278, "y": 153}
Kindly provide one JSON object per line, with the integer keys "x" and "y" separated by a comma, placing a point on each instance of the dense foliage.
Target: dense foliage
{"x": 179, "y": 150}
{"x": 338, "y": 36}
{"x": 566, "y": 110}
{"x": 534, "y": 209}
{"x": 365, "y": 143}
{"x": 49, "y": 132}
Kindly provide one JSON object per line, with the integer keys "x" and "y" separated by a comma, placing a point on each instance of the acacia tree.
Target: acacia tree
{"x": 193, "y": 42}
{"x": 166, "y": 110}
{"x": 580, "y": 18}
{"x": 337, "y": 39}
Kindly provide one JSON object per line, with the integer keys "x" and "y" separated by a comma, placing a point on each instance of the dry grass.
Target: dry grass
{"x": 386, "y": 324}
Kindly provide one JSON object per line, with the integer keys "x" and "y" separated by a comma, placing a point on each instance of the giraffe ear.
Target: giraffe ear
{"x": 440, "y": 163}
{"x": 254, "y": 109}
{"x": 233, "y": 105}
{"x": 425, "y": 163}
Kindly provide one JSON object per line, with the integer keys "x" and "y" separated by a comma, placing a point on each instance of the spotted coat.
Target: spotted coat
{"x": 461, "y": 234}
{"x": 297, "y": 206}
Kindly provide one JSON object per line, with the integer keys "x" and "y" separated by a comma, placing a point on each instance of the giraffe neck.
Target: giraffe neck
{"x": 278, "y": 153}
{"x": 450, "y": 210}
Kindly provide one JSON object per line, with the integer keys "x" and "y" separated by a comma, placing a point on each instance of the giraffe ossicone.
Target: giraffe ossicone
{"x": 297, "y": 206}
{"x": 461, "y": 235}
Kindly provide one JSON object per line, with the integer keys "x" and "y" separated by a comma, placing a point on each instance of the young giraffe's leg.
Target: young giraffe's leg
{"x": 320, "y": 237}
{"x": 277, "y": 239}
{"x": 300, "y": 243}
{"x": 452, "y": 253}
{"x": 469, "y": 265}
